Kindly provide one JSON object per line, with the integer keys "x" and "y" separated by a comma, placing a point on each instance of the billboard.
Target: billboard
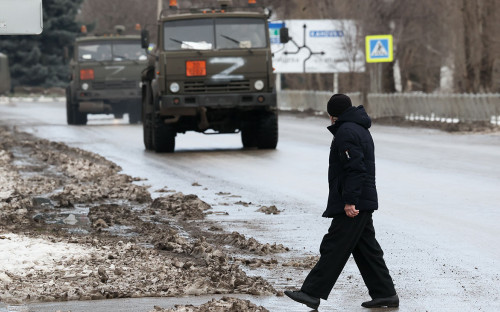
{"x": 318, "y": 46}
{"x": 21, "y": 17}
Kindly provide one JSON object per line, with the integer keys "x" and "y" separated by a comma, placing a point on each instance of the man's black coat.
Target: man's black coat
{"x": 351, "y": 174}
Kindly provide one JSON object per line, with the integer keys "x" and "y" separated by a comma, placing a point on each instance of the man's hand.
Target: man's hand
{"x": 350, "y": 210}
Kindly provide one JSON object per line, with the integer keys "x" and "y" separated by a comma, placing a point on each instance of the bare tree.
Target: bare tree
{"x": 479, "y": 47}
{"x": 103, "y": 16}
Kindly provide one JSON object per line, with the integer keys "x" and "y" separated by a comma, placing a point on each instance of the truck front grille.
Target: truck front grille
{"x": 202, "y": 87}
{"x": 102, "y": 85}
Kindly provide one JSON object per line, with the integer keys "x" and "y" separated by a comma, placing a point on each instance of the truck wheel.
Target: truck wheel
{"x": 134, "y": 116}
{"x": 79, "y": 118}
{"x": 69, "y": 111}
{"x": 147, "y": 130}
{"x": 163, "y": 136}
{"x": 267, "y": 131}
{"x": 147, "y": 116}
{"x": 249, "y": 136}
{"x": 73, "y": 116}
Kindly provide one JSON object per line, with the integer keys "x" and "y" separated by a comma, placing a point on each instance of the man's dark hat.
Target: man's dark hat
{"x": 338, "y": 104}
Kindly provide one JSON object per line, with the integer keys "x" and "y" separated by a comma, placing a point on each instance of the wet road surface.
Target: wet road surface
{"x": 437, "y": 223}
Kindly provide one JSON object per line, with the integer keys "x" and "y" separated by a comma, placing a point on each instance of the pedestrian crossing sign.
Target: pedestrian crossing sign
{"x": 379, "y": 49}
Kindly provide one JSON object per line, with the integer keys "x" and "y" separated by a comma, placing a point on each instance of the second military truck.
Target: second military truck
{"x": 211, "y": 72}
{"x": 105, "y": 78}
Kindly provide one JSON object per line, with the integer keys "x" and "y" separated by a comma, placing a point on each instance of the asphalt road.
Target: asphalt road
{"x": 439, "y": 193}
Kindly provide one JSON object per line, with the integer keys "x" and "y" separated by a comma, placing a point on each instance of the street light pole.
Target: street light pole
{"x": 160, "y": 7}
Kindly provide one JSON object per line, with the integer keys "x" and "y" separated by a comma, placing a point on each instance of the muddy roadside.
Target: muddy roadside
{"x": 74, "y": 228}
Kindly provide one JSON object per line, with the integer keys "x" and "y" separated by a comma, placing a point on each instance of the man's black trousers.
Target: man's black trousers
{"x": 345, "y": 236}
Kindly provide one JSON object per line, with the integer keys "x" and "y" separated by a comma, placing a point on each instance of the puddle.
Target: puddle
{"x": 76, "y": 216}
{"x": 121, "y": 230}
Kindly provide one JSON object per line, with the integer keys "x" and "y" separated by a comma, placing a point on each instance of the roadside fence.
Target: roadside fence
{"x": 412, "y": 106}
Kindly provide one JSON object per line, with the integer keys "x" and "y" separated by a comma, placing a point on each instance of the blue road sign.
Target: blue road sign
{"x": 379, "y": 49}
{"x": 274, "y": 31}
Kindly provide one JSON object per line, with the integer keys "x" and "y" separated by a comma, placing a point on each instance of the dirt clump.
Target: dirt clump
{"x": 304, "y": 263}
{"x": 226, "y": 304}
{"x": 180, "y": 205}
{"x": 255, "y": 263}
{"x": 269, "y": 210}
{"x": 110, "y": 214}
{"x": 242, "y": 203}
{"x": 251, "y": 244}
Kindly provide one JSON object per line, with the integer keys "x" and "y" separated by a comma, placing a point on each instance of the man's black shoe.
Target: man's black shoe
{"x": 304, "y": 298}
{"x": 390, "y": 302}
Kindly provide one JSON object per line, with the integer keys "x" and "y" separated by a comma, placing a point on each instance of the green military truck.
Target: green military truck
{"x": 211, "y": 72}
{"x": 105, "y": 78}
{"x": 4, "y": 74}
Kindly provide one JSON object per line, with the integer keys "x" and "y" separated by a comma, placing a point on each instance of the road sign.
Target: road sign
{"x": 379, "y": 49}
{"x": 274, "y": 31}
{"x": 317, "y": 46}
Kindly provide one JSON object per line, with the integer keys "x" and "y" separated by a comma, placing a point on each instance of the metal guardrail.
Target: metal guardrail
{"x": 310, "y": 100}
{"x": 413, "y": 106}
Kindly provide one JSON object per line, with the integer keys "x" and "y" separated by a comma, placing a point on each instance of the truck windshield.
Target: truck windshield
{"x": 208, "y": 34}
{"x": 110, "y": 51}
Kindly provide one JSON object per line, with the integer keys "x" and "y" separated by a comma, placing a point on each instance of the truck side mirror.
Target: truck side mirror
{"x": 68, "y": 53}
{"x": 144, "y": 39}
{"x": 284, "y": 38}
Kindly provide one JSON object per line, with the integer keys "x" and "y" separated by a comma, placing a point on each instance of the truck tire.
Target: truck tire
{"x": 147, "y": 117}
{"x": 249, "y": 135}
{"x": 79, "y": 118}
{"x": 134, "y": 116}
{"x": 267, "y": 131}
{"x": 147, "y": 129}
{"x": 69, "y": 111}
{"x": 163, "y": 136}
{"x": 73, "y": 116}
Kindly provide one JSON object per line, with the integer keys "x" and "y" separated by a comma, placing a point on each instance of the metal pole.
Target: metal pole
{"x": 278, "y": 82}
{"x": 335, "y": 83}
{"x": 159, "y": 7}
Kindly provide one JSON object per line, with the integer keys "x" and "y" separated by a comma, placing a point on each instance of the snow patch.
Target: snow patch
{"x": 21, "y": 253}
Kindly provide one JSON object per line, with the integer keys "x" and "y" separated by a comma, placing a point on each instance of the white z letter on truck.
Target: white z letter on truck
{"x": 237, "y": 62}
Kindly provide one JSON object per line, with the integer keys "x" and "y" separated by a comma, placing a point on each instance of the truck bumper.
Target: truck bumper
{"x": 108, "y": 95}
{"x": 189, "y": 104}
{"x": 107, "y": 101}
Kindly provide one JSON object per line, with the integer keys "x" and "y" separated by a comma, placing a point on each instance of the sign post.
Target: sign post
{"x": 378, "y": 49}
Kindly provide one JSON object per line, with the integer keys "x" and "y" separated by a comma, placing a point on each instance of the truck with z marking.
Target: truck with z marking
{"x": 211, "y": 72}
{"x": 105, "y": 77}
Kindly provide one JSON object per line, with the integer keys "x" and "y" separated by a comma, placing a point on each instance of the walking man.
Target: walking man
{"x": 351, "y": 201}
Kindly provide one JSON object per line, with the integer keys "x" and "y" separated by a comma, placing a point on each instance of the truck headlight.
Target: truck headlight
{"x": 174, "y": 87}
{"x": 85, "y": 86}
{"x": 259, "y": 85}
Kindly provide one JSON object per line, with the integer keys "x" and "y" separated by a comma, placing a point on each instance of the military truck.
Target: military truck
{"x": 4, "y": 74}
{"x": 211, "y": 72}
{"x": 105, "y": 78}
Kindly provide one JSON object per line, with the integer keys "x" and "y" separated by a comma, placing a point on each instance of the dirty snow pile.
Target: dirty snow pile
{"x": 72, "y": 227}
